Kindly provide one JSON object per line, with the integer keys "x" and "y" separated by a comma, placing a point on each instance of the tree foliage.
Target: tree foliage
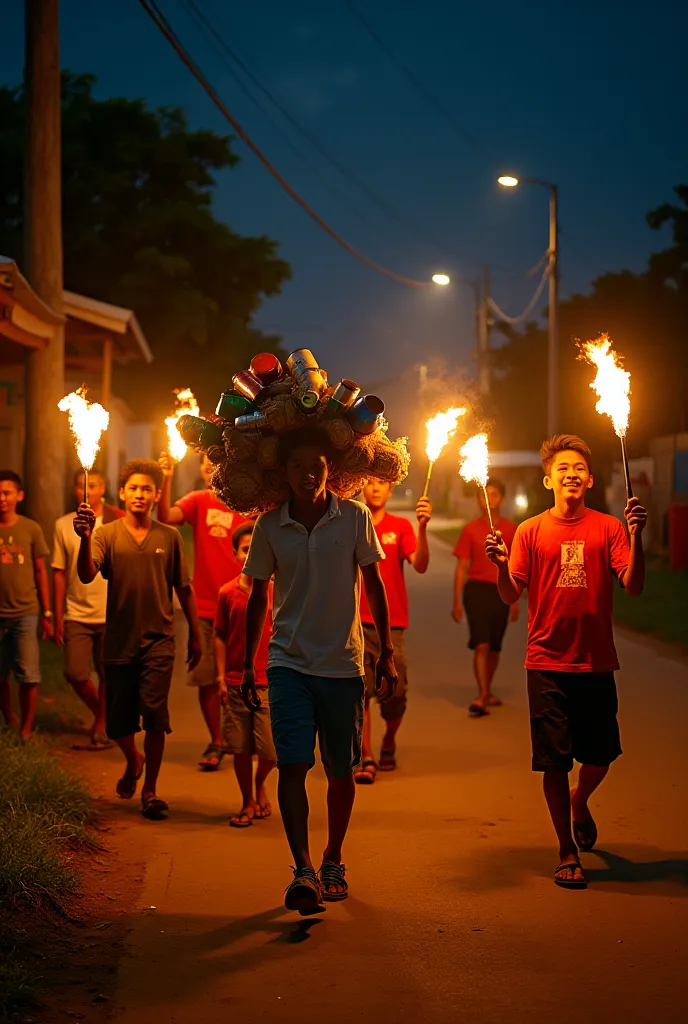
{"x": 645, "y": 314}
{"x": 139, "y": 231}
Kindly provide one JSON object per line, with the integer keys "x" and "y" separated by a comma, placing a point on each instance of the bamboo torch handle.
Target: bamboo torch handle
{"x": 489, "y": 511}
{"x": 626, "y": 469}
{"x": 86, "y": 485}
{"x": 427, "y": 480}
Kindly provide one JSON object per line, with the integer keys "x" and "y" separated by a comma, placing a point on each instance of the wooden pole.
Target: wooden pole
{"x": 44, "y": 453}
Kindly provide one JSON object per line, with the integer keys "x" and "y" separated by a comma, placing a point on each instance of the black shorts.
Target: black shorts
{"x": 136, "y": 694}
{"x": 395, "y": 709}
{"x": 573, "y": 717}
{"x": 487, "y": 614}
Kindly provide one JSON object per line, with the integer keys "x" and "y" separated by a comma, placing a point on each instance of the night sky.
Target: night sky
{"x": 588, "y": 95}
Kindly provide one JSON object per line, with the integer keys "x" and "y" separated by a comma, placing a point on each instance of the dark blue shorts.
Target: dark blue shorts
{"x": 304, "y": 707}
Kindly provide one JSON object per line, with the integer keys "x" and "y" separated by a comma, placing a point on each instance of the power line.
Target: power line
{"x": 153, "y": 11}
{"x": 417, "y": 83}
{"x": 343, "y": 168}
{"x": 529, "y": 308}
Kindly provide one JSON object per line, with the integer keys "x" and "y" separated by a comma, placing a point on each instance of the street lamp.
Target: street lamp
{"x": 509, "y": 181}
{"x": 441, "y": 279}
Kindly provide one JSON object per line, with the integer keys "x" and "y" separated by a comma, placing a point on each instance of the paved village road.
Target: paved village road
{"x": 453, "y": 916}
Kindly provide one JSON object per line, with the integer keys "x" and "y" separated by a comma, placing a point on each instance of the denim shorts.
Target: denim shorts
{"x": 19, "y": 649}
{"x": 304, "y": 707}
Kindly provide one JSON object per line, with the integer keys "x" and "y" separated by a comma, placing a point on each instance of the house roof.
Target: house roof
{"x": 130, "y": 341}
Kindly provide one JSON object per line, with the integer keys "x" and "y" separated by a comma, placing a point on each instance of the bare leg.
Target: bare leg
{"x": 86, "y": 691}
{"x": 391, "y": 730}
{"x": 154, "y": 748}
{"x": 293, "y": 802}
{"x": 127, "y": 744}
{"x": 99, "y": 724}
{"x": 589, "y": 778}
{"x": 262, "y": 772}
{"x": 243, "y": 769}
{"x": 481, "y": 658}
{"x": 6, "y": 704}
{"x": 28, "y": 699}
{"x": 558, "y": 797}
{"x": 209, "y": 700}
{"x": 340, "y": 804}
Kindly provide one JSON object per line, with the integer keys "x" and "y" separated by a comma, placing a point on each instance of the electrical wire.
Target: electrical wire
{"x": 416, "y": 82}
{"x": 529, "y": 308}
{"x": 155, "y": 14}
{"x": 343, "y": 168}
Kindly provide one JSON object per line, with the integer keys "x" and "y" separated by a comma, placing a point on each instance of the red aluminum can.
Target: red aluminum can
{"x": 266, "y": 367}
{"x": 247, "y": 385}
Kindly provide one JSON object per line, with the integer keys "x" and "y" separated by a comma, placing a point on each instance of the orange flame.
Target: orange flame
{"x": 87, "y": 421}
{"x": 440, "y": 429}
{"x": 475, "y": 459}
{"x": 186, "y": 406}
{"x": 612, "y": 383}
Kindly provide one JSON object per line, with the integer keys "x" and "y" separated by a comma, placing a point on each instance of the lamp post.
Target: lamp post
{"x": 508, "y": 181}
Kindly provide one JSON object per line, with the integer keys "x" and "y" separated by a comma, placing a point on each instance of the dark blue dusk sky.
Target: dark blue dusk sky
{"x": 590, "y": 95}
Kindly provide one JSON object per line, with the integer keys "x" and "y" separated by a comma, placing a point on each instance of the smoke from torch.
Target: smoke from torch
{"x": 186, "y": 405}
{"x": 440, "y": 429}
{"x": 474, "y": 468}
{"x": 612, "y": 384}
{"x": 87, "y": 421}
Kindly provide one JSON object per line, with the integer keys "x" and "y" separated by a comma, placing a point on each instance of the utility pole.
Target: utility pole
{"x": 44, "y": 456}
{"x": 484, "y": 336}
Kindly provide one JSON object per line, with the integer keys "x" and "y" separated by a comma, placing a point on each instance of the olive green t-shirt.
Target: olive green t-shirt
{"x": 141, "y": 579}
{"x": 20, "y": 546}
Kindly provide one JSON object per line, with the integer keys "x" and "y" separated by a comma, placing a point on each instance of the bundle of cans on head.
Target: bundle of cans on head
{"x": 269, "y": 400}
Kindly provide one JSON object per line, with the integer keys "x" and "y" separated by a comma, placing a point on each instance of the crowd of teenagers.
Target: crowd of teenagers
{"x": 296, "y": 624}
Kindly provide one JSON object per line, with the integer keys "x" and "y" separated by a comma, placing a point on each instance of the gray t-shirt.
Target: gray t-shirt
{"x": 20, "y": 547}
{"x": 141, "y": 579}
{"x": 316, "y": 626}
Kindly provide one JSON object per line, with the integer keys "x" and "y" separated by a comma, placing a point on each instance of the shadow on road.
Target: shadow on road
{"x": 635, "y": 874}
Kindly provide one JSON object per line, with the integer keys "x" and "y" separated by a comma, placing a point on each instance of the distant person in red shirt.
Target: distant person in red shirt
{"x": 475, "y": 584}
{"x": 214, "y": 565}
{"x": 246, "y": 730}
{"x": 398, "y": 540}
{"x": 568, "y": 559}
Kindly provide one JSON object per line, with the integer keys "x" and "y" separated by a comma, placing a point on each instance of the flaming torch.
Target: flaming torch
{"x": 186, "y": 405}
{"x": 440, "y": 429}
{"x": 613, "y": 388}
{"x": 474, "y": 466}
{"x": 87, "y": 421}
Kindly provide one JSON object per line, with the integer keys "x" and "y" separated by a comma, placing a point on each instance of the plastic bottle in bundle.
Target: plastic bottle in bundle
{"x": 266, "y": 368}
{"x": 200, "y": 433}
{"x": 343, "y": 397}
{"x": 311, "y": 383}
{"x": 247, "y": 385}
{"x": 232, "y": 405}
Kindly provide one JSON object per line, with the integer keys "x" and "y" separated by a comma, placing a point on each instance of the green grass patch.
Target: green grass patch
{"x": 661, "y": 610}
{"x": 34, "y": 863}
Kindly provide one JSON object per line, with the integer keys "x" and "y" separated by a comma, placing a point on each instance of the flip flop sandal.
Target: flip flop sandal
{"x": 241, "y": 820}
{"x": 477, "y": 711}
{"x": 494, "y": 702}
{"x": 126, "y": 786}
{"x": 264, "y": 811}
{"x": 304, "y": 894}
{"x": 569, "y": 883}
{"x": 388, "y": 761}
{"x": 331, "y": 878}
{"x": 152, "y": 807}
{"x": 585, "y": 834}
{"x": 211, "y": 758}
{"x": 365, "y": 774}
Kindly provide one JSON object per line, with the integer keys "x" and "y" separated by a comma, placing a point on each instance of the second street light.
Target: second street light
{"x": 508, "y": 181}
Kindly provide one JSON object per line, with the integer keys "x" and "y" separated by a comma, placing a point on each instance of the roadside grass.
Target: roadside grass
{"x": 662, "y": 611}
{"x": 45, "y": 814}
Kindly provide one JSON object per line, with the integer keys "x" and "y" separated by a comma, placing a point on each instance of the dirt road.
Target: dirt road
{"x": 453, "y": 914}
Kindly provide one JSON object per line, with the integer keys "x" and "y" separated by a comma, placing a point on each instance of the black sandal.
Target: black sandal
{"x": 476, "y": 710}
{"x": 388, "y": 760}
{"x": 570, "y": 883}
{"x": 331, "y": 878}
{"x": 366, "y": 772}
{"x": 304, "y": 893}
{"x": 152, "y": 807}
{"x": 211, "y": 758}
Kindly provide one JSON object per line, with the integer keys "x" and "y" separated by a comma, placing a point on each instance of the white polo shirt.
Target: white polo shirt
{"x": 316, "y": 623}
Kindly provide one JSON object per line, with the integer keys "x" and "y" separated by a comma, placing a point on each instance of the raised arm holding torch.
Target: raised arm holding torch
{"x": 87, "y": 421}
{"x": 440, "y": 429}
{"x": 613, "y": 388}
{"x": 475, "y": 467}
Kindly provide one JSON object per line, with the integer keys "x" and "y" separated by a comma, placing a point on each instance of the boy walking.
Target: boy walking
{"x": 80, "y": 609}
{"x": 475, "y": 590}
{"x": 214, "y": 565}
{"x": 568, "y": 558}
{"x": 23, "y": 585}
{"x": 246, "y": 730}
{"x": 143, "y": 562}
{"x": 398, "y": 541}
{"x": 316, "y": 546}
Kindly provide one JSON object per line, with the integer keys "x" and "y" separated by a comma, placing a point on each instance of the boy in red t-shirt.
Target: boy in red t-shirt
{"x": 398, "y": 540}
{"x": 568, "y": 558}
{"x": 214, "y": 565}
{"x": 246, "y": 730}
{"x": 475, "y": 584}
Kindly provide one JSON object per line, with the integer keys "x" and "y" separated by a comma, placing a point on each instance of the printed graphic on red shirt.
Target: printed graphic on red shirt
{"x": 398, "y": 540}
{"x": 569, "y": 568}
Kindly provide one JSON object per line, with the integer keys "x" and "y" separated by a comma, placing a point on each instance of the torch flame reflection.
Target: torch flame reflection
{"x": 87, "y": 421}
{"x": 186, "y": 406}
{"x": 612, "y": 383}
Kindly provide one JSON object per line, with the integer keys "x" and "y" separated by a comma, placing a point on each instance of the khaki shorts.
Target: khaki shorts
{"x": 395, "y": 708}
{"x": 83, "y": 649}
{"x": 245, "y": 731}
{"x": 204, "y": 673}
